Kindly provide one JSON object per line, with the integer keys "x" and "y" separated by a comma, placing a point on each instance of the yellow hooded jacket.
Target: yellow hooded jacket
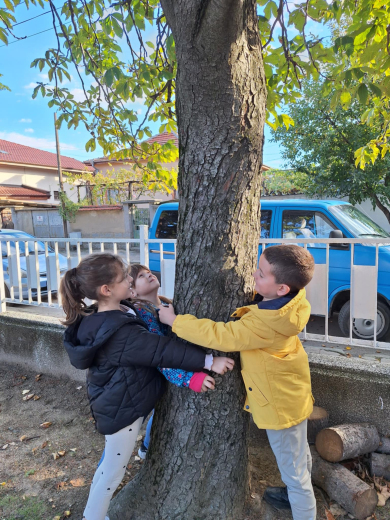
{"x": 275, "y": 367}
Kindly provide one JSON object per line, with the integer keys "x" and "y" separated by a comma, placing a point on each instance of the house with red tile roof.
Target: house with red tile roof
{"x": 30, "y": 174}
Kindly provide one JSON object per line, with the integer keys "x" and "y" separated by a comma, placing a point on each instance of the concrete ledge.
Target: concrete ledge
{"x": 351, "y": 389}
{"x": 35, "y": 342}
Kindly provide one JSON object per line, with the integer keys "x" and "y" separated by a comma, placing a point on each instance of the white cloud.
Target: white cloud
{"x": 35, "y": 142}
{"x": 78, "y": 94}
{"x": 29, "y": 130}
{"x": 43, "y": 76}
{"x": 25, "y": 120}
{"x": 30, "y": 85}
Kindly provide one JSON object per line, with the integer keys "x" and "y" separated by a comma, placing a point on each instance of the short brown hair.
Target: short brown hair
{"x": 291, "y": 265}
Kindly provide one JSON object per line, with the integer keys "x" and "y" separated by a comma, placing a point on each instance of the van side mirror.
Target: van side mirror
{"x": 337, "y": 233}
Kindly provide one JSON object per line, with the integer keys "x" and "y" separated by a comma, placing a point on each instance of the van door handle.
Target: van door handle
{"x": 165, "y": 252}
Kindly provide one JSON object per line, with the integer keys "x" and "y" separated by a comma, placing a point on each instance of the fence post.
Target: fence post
{"x": 143, "y": 246}
{"x": 3, "y": 303}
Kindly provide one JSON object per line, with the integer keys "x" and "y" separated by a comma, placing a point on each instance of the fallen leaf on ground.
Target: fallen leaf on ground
{"x": 57, "y": 518}
{"x": 38, "y": 377}
{"x": 44, "y": 445}
{"x": 5, "y": 447}
{"x": 139, "y": 438}
{"x": 25, "y": 392}
{"x": 61, "y": 453}
{"x": 73, "y": 449}
{"x": 137, "y": 458}
{"x": 79, "y": 387}
{"x": 23, "y": 438}
{"x": 78, "y": 482}
{"x": 61, "y": 485}
{"x": 347, "y": 348}
{"x": 36, "y": 397}
{"x": 66, "y": 513}
{"x": 28, "y": 397}
{"x": 329, "y": 515}
{"x": 46, "y": 424}
{"x": 55, "y": 456}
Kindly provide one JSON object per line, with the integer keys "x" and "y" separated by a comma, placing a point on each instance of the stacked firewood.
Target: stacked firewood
{"x": 337, "y": 444}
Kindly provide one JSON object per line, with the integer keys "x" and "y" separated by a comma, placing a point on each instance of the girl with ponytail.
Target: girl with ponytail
{"x": 121, "y": 357}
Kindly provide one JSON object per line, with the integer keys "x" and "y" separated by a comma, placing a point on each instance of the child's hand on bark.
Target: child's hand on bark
{"x": 208, "y": 384}
{"x": 166, "y": 314}
{"x": 222, "y": 364}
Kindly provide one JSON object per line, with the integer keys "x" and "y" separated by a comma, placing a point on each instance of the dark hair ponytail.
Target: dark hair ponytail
{"x": 83, "y": 281}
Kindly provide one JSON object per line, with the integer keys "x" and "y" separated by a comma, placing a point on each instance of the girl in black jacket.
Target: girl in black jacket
{"x": 122, "y": 357}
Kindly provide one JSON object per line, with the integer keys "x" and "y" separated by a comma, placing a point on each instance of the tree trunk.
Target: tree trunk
{"x": 197, "y": 462}
{"x": 318, "y": 420}
{"x": 382, "y": 207}
{"x": 354, "y": 495}
{"x": 347, "y": 441}
{"x": 380, "y": 465}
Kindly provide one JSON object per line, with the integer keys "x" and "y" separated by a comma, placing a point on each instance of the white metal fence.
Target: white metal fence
{"x": 30, "y": 274}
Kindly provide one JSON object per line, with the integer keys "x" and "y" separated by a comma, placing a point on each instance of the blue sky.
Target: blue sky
{"x": 31, "y": 122}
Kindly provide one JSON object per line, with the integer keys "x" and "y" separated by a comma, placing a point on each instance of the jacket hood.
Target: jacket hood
{"x": 87, "y": 335}
{"x": 290, "y": 320}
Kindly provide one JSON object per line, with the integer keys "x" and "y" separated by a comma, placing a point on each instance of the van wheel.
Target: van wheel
{"x": 364, "y": 328}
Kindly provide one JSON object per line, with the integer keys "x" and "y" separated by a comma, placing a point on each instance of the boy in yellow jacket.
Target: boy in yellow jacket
{"x": 275, "y": 367}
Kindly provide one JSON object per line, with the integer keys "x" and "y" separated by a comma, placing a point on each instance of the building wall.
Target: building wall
{"x": 39, "y": 177}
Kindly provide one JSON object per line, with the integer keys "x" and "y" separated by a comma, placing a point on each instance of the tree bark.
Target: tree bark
{"x": 197, "y": 462}
{"x": 347, "y": 441}
{"x": 354, "y": 495}
{"x": 382, "y": 207}
{"x": 380, "y": 465}
{"x": 317, "y": 421}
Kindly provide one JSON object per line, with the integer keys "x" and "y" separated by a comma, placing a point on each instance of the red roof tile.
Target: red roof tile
{"x": 19, "y": 153}
{"x": 23, "y": 192}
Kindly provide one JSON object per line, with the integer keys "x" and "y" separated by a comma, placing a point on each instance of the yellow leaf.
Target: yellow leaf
{"x": 23, "y": 438}
{"x": 61, "y": 453}
{"x": 46, "y": 424}
{"x": 78, "y": 482}
{"x": 347, "y": 348}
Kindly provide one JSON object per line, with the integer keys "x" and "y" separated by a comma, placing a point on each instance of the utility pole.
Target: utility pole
{"x": 60, "y": 177}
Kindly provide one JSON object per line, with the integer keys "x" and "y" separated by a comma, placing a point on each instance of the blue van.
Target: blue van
{"x": 312, "y": 219}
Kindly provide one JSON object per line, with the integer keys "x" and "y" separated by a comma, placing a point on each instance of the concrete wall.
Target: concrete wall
{"x": 101, "y": 223}
{"x": 351, "y": 389}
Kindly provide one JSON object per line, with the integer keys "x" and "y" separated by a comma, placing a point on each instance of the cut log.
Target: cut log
{"x": 318, "y": 420}
{"x": 347, "y": 441}
{"x": 380, "y": 465}
{"x": 354, "y": 495}
{"x": 384, "y": 446}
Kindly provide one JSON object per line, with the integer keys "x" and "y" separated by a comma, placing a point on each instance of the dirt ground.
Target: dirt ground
{"x": 45, "y": 471}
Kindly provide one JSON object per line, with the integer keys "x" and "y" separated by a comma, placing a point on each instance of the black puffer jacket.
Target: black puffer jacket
{"x": 121, "y": 356}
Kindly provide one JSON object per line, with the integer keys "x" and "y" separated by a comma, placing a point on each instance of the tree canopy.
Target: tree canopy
{"x": 125, "y": 50}
{"x": 320, "y": 151}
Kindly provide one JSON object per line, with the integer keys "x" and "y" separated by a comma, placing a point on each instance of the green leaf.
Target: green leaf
{"x": 345, "y": 97}
{"x": 109, "y": 77}
{"x": 117, "y": 28}
{"x": 375, "y": 90}
{"x": 362, "y": 94}
{"x": 361, "y": 38}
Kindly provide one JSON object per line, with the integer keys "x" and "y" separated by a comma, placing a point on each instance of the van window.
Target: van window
{"x": 357, "y": 222}
{"x": 167, "y": 224}
{"x": 306, "y": 224}
{"x": 265, "y": 222}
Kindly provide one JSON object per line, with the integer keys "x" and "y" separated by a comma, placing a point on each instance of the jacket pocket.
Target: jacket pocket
{"x": 252, "y": 390}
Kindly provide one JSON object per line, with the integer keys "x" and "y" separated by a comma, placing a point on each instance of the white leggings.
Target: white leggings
{"x": 108, "y": 476}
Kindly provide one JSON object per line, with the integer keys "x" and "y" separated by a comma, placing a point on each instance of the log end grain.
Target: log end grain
{"x": 366, "y": 505}
{"x": 329, "y": 445}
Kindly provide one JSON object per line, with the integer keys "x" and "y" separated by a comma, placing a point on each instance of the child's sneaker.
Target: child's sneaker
{"x": 142, "y": 451}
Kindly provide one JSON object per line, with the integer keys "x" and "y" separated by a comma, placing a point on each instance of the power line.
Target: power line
{"x": 27, "y": 37}
{"x": 33, "y": 18}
